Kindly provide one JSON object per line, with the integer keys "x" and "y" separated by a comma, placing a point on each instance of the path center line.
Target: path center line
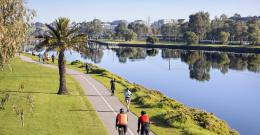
{"x": 109, "y": 106}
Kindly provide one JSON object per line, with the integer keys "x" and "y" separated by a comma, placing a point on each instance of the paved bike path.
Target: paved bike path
{"x": 107, "y": 106}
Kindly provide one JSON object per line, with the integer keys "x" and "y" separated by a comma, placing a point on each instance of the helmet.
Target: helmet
{"x": 121, "y": 110}
{"x": 143, "y": 112}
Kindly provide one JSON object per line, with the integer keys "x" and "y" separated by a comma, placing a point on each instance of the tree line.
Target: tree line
{"x": 198, "y": 29}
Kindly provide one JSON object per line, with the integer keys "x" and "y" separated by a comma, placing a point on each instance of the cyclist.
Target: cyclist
{"x": 128, "y": 94}
{"x": 121, "y": 121}
{"x": 144, "y": 122}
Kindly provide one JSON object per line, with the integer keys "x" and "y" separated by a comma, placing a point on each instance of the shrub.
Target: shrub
{"x": 152, "y": 39}
{"x": 224, "y": 36}
{"x": 210, "y": 122}
{"x": 191, "y": 37}
{"x": 76, "y": 62}
{"x": 175, "y": 118}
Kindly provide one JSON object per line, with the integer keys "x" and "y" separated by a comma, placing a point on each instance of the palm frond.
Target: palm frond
{"x": 53, "y": 31}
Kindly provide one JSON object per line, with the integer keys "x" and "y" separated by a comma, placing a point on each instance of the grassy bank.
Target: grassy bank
{"x": 51, "y": 114}
{"x": 169, "y": 116}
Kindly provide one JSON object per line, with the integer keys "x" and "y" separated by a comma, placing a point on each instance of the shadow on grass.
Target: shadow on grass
{"x": 27, "y": 92}
{"x": 158, "y": 121}
{"x": 83, "y": 110}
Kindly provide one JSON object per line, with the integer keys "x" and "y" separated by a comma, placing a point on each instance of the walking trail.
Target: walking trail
{"x": 107, "y": 106}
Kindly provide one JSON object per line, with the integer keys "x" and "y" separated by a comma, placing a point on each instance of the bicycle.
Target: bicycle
{"x": 121, "y": 131}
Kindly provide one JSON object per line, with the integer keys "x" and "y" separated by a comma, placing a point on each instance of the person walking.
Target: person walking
{"x": 121, "y": 121}
{"x": 87, "y": 68}
{"x": 113, "y": 86}
{"x": 144, "y": 124}
{"x": 128, "y": 94}
{"x": 52, "y": 58}
{"x": 40, "y": 56}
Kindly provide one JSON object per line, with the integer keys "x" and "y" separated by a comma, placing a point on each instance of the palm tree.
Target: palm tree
{"x": 61, "y": 37}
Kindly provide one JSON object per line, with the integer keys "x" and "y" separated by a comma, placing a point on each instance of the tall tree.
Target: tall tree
{"x": 239, "y": 30}
{"x": 93, "y": 28}
{"x": 140, "y": 29}
{"x": 14, "y": 23}
{"x": 120, "y": 29}
{"x": 62, "y": 37}
{"x": 200, "y": 24}
{"x": 170, "y": 30}
{"x": 254, "y": 31}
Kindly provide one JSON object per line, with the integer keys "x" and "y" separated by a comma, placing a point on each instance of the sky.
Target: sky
{"x": 109, "y": 10}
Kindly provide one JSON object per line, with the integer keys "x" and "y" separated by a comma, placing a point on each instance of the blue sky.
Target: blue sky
{"x": 108, "y": 10}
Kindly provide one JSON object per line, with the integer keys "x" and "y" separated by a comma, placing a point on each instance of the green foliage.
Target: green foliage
{"x": 199, "y": 23}
{"x": 129, "y": 35}
{"x": 120, "y": 30}
{"x": 152, "y": 39}
{"x": 61, "y": 36}
{"x": 170, "y": 30}
{"x": 191, "y": 38}
{"x": 14, "y": 23}
{"x": 93, "y": 28}
{"x": 224, "y": 36}
{"x": 140, "y": 29}
{"x": 76, "y": 62}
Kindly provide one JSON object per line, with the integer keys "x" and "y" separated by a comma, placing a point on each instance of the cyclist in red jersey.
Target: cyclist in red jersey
{"x": 144, "y": 123}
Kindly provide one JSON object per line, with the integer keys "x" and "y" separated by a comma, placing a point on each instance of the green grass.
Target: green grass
{"x": 52, "y": 114}
{"x": 168, "y": 116}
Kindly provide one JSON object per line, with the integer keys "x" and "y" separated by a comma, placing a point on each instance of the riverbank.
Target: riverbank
{"x": 168, "y": 115}
{"x": 205, "y": 47}
{"x": 51, "y": 113}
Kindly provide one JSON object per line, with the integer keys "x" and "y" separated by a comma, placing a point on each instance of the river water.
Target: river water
{"x": 226, "y": 84}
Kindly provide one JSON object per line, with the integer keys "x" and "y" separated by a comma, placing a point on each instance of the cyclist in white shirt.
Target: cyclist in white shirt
{"x": 128, "y": 94}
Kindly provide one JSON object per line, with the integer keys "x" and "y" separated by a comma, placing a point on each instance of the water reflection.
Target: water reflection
{"x": 200, "y": 62}
{"x": 93, "y": 52}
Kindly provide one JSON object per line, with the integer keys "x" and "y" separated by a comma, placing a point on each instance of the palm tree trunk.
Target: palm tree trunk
{"x": 62, "y": 72}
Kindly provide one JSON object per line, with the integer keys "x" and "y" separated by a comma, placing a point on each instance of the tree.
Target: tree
{"x": 140, "y": 29}
{"x": 155, "y": 30}
{"x": 120, "y": 30}
{"x": 190, "y": 37}
{"x": 62, "y": 37}
{"x": 14, "y": 23}
{"x": 200, "y": 24}
{"x": 129, "y": 35}
{"x": 224, "y": 36}
{"x": 93, "y": 28}
{"x": 254, "y": 31}
{"x": 217, "y": 25}
{"x": 152, "y": 39}
{"x": 170, "y": 30}
{"x": 239, "y": 30}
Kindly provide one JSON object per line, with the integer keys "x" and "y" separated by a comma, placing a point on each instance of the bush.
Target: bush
{"x": 224, "y": 36}
{"x": 175, "y": 118}
{"x": 210, "y": 122}
{"x": 76, "y": 62}
{"x": 152, "y": 39}
{"x": 191, "y": 37}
